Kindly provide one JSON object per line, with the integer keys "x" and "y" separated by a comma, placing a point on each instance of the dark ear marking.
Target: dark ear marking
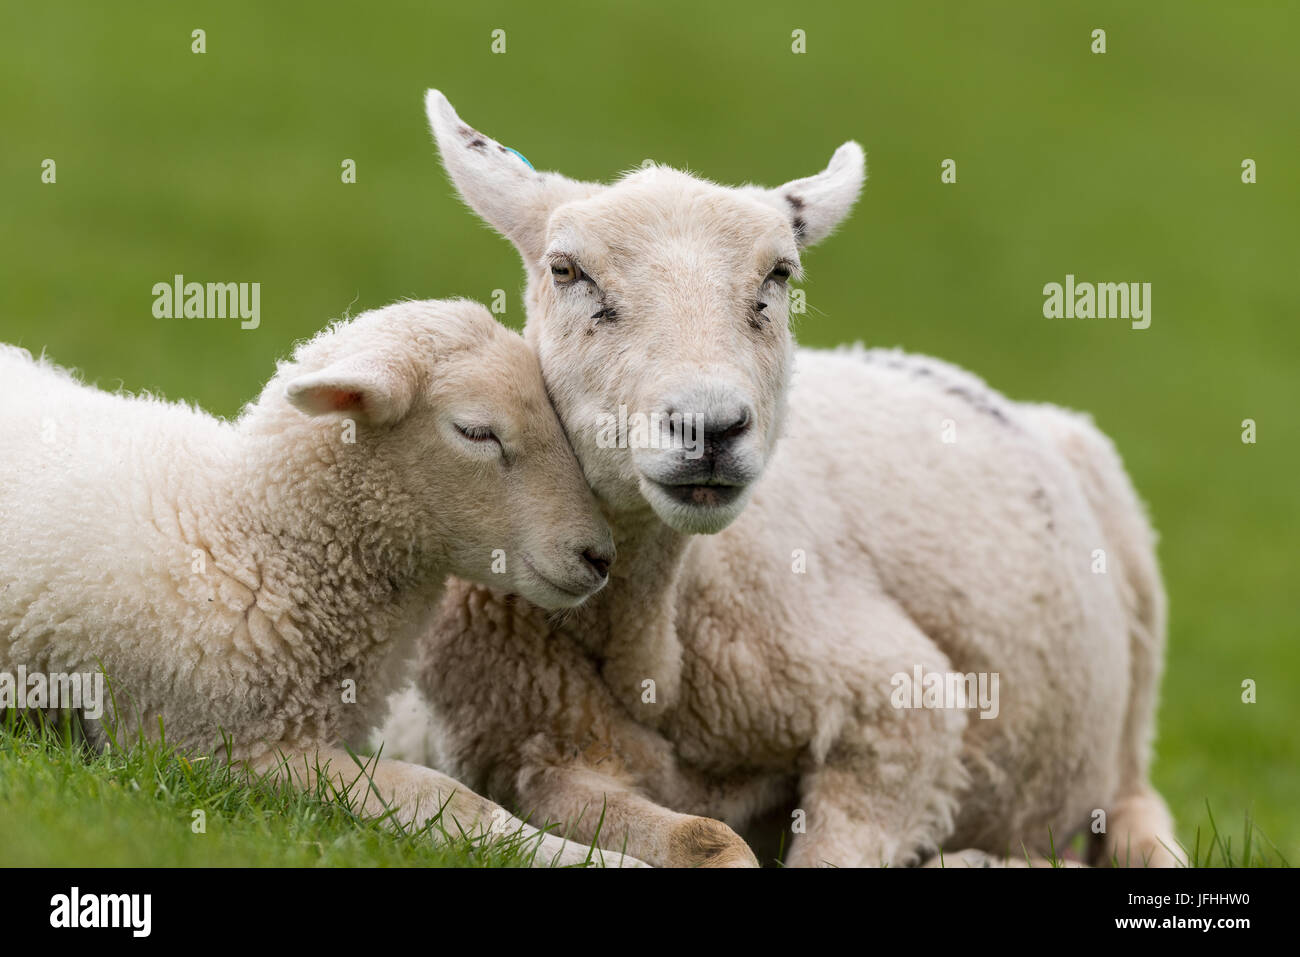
{"x": 474, "y": 138}
{"x": 797, "y": 221}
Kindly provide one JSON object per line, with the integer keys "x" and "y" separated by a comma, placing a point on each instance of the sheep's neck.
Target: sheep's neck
{"x": 631, "y": 625}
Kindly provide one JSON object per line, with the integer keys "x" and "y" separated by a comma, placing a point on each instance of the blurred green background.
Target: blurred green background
{"x": 1121, "y": 166}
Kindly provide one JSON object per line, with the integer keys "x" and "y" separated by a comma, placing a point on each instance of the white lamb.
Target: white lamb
{"x": 910, "y": 518}
{"x": 265, "y": 578}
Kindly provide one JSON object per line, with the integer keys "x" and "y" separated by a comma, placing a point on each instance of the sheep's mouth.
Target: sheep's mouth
{"x": 704, "y": 495}
{"x": 575, "y": 595}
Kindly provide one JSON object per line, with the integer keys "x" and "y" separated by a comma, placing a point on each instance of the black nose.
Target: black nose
{"x": 723, "y": 433}
{"x": 599, "y": 563}
{"x": 715, "y": 432}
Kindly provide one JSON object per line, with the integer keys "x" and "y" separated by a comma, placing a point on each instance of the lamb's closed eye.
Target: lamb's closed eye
{"x": 477, "y": 433}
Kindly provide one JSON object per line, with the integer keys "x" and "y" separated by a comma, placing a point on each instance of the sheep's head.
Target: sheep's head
{"x": 456, "y": 455}
{"x": 658, "y": 307}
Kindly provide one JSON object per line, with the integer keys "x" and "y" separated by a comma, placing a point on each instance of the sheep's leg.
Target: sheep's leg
{"x": 414, "y": 794}
{"x": 854, "y": 816}
{"x": 1139, "y": 830}
{"x": 851, "y": 823}
{"x": 842, "y": 824}
{"x": 883, "y": 791}
{"x": 588, "y": 800}
{"x": 1139, "y": 833}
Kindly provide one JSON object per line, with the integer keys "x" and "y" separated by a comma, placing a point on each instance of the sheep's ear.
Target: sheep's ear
{"x": 363, "y": 387}
{"x": 497, "y": 182}
{"x": 817, "y": 204}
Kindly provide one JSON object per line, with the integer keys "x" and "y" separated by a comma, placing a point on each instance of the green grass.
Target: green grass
{"x": 1212, "y": 848}
{"x": 1209, "y": 848}
{"x": 1122, "y": 166}
{"x": 137, "y": 806}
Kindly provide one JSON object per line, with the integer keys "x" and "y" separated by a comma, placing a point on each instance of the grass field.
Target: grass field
{"x": 1122, "y": 166}
{"x": 146, "y": 805}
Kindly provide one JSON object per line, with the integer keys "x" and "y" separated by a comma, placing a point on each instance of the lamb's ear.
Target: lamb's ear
{"x": 817, "y": 204}
{"x": 364, "y": 387}
{"x": 497, "y": 182}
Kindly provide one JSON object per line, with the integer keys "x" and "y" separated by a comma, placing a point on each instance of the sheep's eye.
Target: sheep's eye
{"x": 478, "y": 433}
{"x": 780, "y": 273}
{"x": 565, "y": 271}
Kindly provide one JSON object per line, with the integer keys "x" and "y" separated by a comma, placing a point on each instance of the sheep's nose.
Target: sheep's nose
{"x": 716, "y": 430}
{"x": 723, "y": 433}
{"x": 599, "y": 562}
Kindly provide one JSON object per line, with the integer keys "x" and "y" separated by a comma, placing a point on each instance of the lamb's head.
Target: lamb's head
{"x": 456, "y": 455}
{"x": 658, "y": 307}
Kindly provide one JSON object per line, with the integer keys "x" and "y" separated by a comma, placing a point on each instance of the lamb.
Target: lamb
{"x": 743, "y": 660}
{"x": 265, "y": 578}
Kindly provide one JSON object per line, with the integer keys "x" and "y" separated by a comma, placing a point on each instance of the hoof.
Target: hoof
{"x": 704, "y": 842}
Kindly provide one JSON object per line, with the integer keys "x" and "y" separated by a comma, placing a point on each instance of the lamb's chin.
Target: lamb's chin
{"x": 549, "y": 595}
{"x": 549, "y": 598}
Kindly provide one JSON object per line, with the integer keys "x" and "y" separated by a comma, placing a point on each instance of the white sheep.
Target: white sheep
{"x": 910, "y": 518}
{"x": 264, "y": 579}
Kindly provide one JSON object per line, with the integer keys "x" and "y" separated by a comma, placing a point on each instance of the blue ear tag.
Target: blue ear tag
{"x": 521, "y": 156}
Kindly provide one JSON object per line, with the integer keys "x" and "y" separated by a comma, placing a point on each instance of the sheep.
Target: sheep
{"x": 769, "y": 597}
{"x": 258, "y": 584}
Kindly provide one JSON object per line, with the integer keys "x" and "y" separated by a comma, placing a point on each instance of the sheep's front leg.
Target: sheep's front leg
{"x": 588, "y": 801}
{"x": 883, "y": 797}
{"x": 883, "y": 789}
{"x": 414, "y": 794}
